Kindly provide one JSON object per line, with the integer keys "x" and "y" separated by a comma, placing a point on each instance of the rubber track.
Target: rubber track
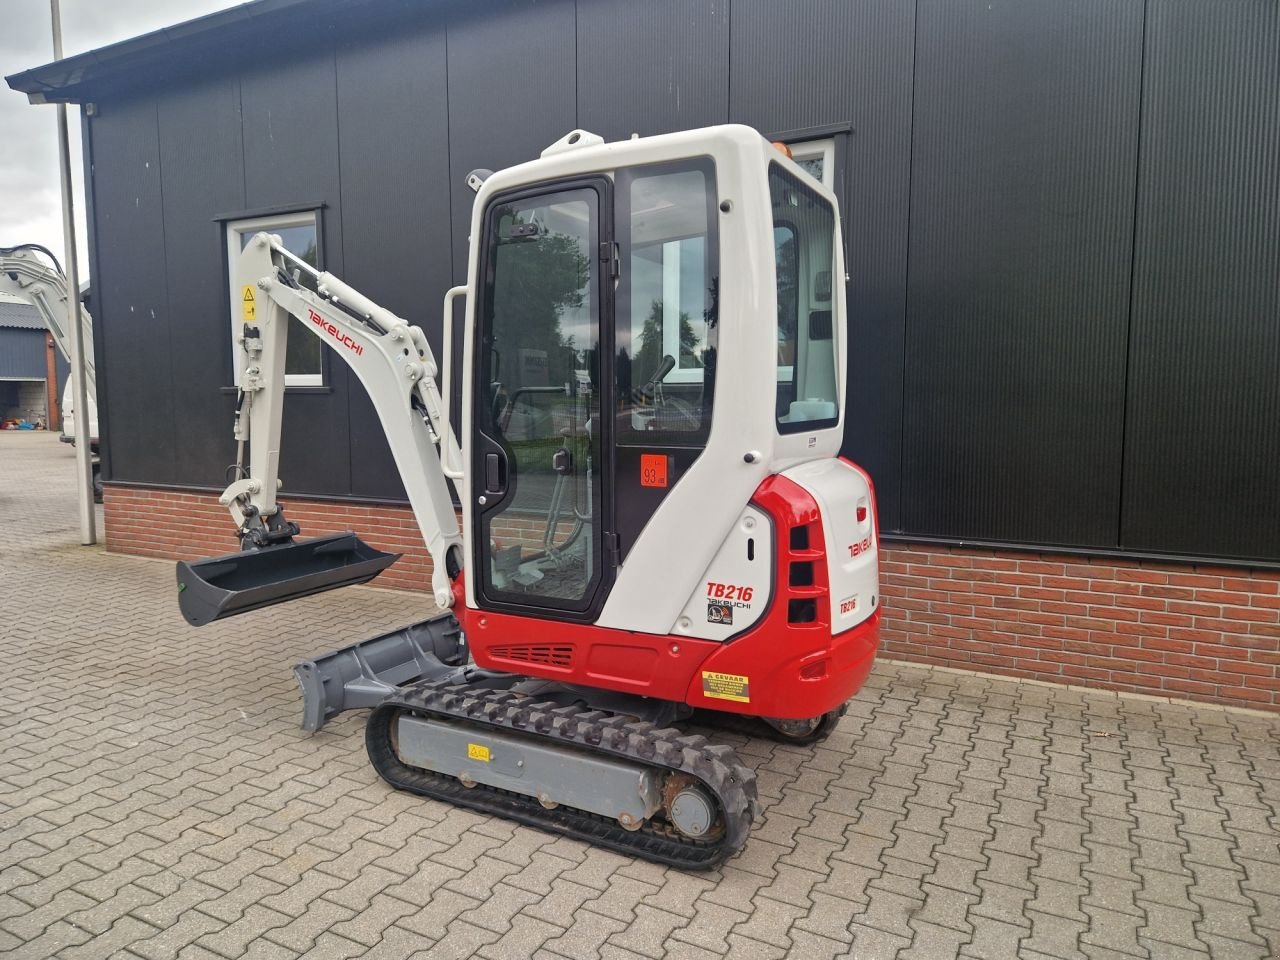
{"x": 731, "y": 782}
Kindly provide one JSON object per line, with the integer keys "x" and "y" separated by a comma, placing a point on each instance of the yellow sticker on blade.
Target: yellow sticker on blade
{"x": 248, "y": 306}
{"x": 726, "y": 686}
{"x": 476, "y": 752}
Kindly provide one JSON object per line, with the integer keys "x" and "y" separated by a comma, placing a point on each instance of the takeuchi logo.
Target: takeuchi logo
{"x": 334, "y": 332}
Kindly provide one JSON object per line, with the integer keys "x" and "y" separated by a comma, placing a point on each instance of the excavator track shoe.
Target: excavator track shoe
{"x": 606, "y": 779}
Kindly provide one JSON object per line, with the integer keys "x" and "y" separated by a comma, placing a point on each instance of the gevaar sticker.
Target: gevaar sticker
{"x": 726, "y": 686}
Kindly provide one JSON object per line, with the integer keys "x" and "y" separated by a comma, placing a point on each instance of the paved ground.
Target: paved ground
{"x": 157, "y": 800}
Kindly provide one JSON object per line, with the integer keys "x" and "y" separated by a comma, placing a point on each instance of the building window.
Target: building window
{"x": 304, "y": 363}
{"x": 817, "y": 158}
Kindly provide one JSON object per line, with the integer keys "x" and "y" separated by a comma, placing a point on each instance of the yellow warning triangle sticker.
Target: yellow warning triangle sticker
{"x": 248, "y": 293}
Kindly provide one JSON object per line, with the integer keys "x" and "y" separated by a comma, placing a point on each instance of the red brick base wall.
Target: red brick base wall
{"x": 186, "y": 526}
{"x": 1202, "y": 633}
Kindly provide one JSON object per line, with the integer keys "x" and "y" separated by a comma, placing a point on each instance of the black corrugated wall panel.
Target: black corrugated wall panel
{"x": 289, "y": 112}
{"x": 1202, "y": 465}
{"x": 669, "y": 72}
{"x": 818, "y": 63}
{"x": 202, "y": 176}
{"x": 512, "y": 92}
{"x": 130, "y": 292}
{"x": 1025, "y": 145}
{"x": 396, "y": 233}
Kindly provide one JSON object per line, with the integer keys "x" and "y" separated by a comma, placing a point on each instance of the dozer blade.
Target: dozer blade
{"x": 236, "y": 583}
{"x": 366, "y": 673}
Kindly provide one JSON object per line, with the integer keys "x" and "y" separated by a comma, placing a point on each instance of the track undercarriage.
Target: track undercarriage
{"x": 609, "y": 769}
{"x": 605, "y": 778}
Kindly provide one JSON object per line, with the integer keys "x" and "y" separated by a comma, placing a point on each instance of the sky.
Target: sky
{"x": 30, "y": 197}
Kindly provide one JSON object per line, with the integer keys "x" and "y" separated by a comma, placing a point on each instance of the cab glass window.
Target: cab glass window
{"x": 804, "y": 259}
{"x": 666, "y": 323}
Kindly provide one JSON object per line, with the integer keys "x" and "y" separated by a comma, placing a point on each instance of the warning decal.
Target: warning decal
{"x": 726, "y": 686}
{"x": 653, "y": 469}
{"x": 719, "y": 611}
{"x": 476, "y": 752}
{"x": 247, "y": 305}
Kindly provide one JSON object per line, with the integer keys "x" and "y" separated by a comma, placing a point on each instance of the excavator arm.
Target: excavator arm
{"x": 25, "y": 275}
{"x": 393, "y": 361}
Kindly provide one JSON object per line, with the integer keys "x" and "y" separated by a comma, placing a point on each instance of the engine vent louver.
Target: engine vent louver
{"x": 549, "y": 654}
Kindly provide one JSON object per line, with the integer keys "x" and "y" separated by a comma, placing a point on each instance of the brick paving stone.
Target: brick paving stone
{"x": 585, "y": 936}
{"x": 710, "y": 927}
{"x": 303, "y": 931}
{"x": 234, "y": 939}
{"x": 167, "y": 943}
{"x": 56, "y": 938}
{"x": 433, "y": 918}
{"x": 621, "y": 898}
{"x": 649, "y": 931}
{"x": 157, "y": 800}
{"x": 870, "y": 943}
{"x": 527, "y": 935}
{"x": 563, "y": 902}
{"x": 679, "y": 950}
{"x": 497, "y": 912}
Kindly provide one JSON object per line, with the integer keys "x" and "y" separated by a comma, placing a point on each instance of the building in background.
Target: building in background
{"x": 32, "y": 373}
{"x": 1063, "y": 230}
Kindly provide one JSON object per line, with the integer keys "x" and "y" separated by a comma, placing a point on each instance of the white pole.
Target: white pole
{"x": 84, "y": 456}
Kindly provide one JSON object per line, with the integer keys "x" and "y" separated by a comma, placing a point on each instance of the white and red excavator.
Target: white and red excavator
{"x": 657, "y": 516}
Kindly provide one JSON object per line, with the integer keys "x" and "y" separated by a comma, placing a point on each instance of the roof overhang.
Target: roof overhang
{"x": 230, "y": 36}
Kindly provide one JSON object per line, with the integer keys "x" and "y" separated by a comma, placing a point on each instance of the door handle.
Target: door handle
{"x": 493, "y": 479}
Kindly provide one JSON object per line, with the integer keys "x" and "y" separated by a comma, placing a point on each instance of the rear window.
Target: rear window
{"x": 804, "y": 258}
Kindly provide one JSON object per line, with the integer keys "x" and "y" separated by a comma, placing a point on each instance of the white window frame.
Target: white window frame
{"x": 814, "y": 149}
{"x": 251, "y": 225}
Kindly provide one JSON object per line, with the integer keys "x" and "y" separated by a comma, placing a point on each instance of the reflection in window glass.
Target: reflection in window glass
{"x": 814, "y": 166}
{"x": 303, "y": 364}
{"x": 667, "y": 302}
{"x": 816, "y": 158}
{"x": 804, "y": 260}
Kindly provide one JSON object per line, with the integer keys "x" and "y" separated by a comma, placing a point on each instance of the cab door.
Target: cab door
{"x": 542, "y": 512}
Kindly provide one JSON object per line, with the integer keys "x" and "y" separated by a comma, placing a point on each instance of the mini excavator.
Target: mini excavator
{"x": 657, "y": 517}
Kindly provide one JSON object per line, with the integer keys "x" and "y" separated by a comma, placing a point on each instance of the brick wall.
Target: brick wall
{"x": 1197, "y": 632}
{"x": 187, "y": 526}
{"x": 1201, "y": 633}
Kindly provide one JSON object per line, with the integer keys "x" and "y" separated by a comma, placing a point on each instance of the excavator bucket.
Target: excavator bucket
{"x": 236, "y": 583}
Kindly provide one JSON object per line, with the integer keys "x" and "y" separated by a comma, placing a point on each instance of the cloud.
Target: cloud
{"x": 30, "y": 197}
